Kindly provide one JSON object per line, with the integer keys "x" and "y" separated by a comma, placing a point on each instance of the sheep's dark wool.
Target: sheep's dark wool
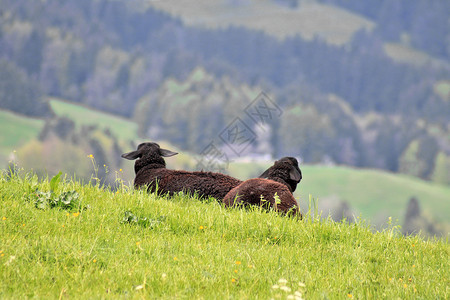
{"x": 285, "y": 171}
{"x": 151, "y": 171}
{"x": 281, "y": 179}
{"x": 259, "y": 191}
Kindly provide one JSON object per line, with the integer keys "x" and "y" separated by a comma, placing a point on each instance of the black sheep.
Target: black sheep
{"x": 150, "y": 169}
{"x": 285, "y": 171}
{"x": 281, "y": 180}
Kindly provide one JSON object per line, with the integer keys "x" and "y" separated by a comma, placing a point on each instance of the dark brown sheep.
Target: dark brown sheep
{"x": 285, "y": 171}
{"x": 281, "y": 179}
{"x": 150, "y": 169}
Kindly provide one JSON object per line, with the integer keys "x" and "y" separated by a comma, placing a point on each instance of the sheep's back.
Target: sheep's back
{"x": 250, "y": 192}
{"x": 205, "y": 184}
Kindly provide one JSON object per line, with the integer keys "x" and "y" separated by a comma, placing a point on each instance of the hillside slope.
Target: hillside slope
{"x": 16, "y": 131}
{"x": 309, "y": 20}
{"x": 373, "y": 195}
{"x": 128, "y": 244}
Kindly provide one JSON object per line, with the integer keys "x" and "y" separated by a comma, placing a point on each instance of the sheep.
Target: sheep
{"x": 273, "y": 188}
{"x": 150, "y": 169}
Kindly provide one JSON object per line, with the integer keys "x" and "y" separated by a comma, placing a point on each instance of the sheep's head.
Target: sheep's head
{"x": 285, "y": 169}
{"x": 148, "y": 153}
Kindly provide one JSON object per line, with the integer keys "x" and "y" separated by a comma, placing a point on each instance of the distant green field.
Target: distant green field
{"x": 369, "y": 192}
{"x": 310, "y": 19}
{"x": 408, "y": 55}
{"x": 372, "y": 191}
{"x": 124, "y": 129}
{"x": 442, "y": 88}
{"x": 15, "y": 131}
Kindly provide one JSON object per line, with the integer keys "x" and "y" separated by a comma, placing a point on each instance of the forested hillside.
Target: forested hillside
{"x": 348, "y": 103}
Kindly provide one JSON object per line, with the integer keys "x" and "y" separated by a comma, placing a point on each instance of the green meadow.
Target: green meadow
{"x": 15, "y": 131}
{"x": 72, "y": 240}
{"x": 310, "y": 19}
{"x": 369, "y": 192}
{"x": 123, "y": 128}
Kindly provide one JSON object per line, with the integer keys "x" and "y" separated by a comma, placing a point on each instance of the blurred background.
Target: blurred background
{"x": 358, "y": 91}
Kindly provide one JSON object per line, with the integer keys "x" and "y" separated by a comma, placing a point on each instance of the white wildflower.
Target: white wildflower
{"x": 10, "y": 260}
{"x": 285, "y": 288}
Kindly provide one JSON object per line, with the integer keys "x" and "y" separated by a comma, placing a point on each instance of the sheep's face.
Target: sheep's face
{"x": 285, "y": 169}
{"x": 148, "y": 149}
{"x": 295, "y": 173}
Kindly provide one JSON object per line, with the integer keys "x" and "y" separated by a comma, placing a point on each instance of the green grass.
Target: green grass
{"x": 442, "y": 88}
{"x": 311, "y": 19}
{"x": 405, "y": 54}
{"x": 124, "y": 129}
{"x": 15, "y": 131}
{"x": 195, "y": 250}
{"x": 370, "y": 192}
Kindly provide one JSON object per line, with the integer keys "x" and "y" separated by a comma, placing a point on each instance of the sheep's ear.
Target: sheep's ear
{"x": 132, "y": 155}
{"x": 166, "y": 153}
{"x": 265, "y": 174}
{"x": 295, "y": 174}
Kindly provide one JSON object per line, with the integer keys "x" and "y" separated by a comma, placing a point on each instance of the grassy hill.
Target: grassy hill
{"x": 406, "y": 54}
{"x": 16, "y": 130}
{"x": 124, "y": 129}
{"x": 373, "y": 194}
{"x": 310, "y": 19}
{"x": 183, "y": 248}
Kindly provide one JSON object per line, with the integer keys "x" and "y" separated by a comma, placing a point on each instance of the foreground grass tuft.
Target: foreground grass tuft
{"x": 128, "y": 243}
